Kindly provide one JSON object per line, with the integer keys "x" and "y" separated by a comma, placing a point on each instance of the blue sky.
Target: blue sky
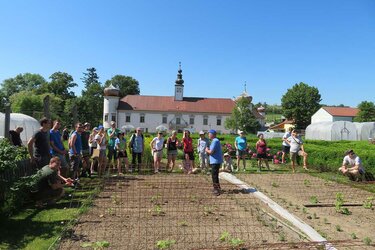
{"x": 270, "y": 44}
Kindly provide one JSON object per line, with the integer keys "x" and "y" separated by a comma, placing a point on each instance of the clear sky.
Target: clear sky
{"x": 270, "y": 44}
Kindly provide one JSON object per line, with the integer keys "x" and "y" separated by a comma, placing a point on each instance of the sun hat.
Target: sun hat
{"x": 201, "y": 132}
{"x": 100, "y": 127}
{"x": 212, "y": 131}
{"x": 226, "y": 154}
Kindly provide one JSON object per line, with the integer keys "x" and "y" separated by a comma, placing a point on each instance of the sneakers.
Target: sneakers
{"x": 216, "y": 192}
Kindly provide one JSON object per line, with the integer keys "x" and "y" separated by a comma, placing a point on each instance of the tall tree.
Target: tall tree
{"x": 22, "y": 82}
{"x": 242, "y": 117}
{"x": 90, "y": 77}
{"x": 366, "y": 112}
{"x": 299, "y": 103}
{"x": 60, "y": 85}
{"x": 126, "y": 84}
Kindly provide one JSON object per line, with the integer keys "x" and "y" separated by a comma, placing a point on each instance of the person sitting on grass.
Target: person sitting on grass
{"x": 49, "y": 184}
{"x": 352, "y": 166}
{"x": 227, "y": 164}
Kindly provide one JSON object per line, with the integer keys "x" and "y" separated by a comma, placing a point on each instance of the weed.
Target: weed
{"x": 158, "y": 209}
{"x": 110, "y": 211}
{"x": 282, "y": 236}
{"x": 116, "y": 199}
{"x": 183, "y": 223}
{"x": 224, "y": 236}
{"x": 236, "y": 242}
{"x": 339, "y": 203}
{"x": 274, "y": 184}
{"x": 368, "y": 203}
{"x": 208, "y": 210}
{"x": 338, "y": 228}
{"x": 326, "y": 221}
{"x": 367, "y": 241}
{"x": 98, "y": 245}
{"x": 353, "y": 236}
{"x": 307, "y": 183}
{"x": 304, "y": 210}
{"x": 165, "y": 244}
{"x": 314, "y": 200}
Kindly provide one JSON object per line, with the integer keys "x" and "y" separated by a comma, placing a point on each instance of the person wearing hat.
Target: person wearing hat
{"x": 227, "y": 164}
{"x": 112, "y": 133}
{"x": 240, "y": 144}
{"x": 157, "y": 145}
{"x": 203, "y": 143}
{"x": 352, "y": 166}
{"x": 93, "y": 146}
{"x": 216, "y": 159}
{"x": 297, "y": 149}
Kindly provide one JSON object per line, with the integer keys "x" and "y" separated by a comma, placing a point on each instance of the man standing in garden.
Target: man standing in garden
{"x": 57, "y": 147}
{"x": 352, "y": 166}
{"x": 216, "y": 159}
{"x": 112, "y": 133}
{"x": 136, "y": 146}
{"x": 203, "y": 143}
{"x": 39, "y": 144}
{"x": 241, "y": 145}
{"x": 297, "y": 149}
{"x": 285, "y": 145}
{"x": 75, "y": 150}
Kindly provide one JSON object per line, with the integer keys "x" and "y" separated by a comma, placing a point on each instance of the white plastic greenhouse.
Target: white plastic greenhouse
{"x": 29, "y": 124}
{"x": 332, "y": 131}
{"x": 365, "y": 130}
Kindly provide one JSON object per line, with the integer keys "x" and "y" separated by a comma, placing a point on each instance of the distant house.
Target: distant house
{"x": 172, "y": 112}
{"x": 333, "y": 114}
{"x": 283, "y": 126}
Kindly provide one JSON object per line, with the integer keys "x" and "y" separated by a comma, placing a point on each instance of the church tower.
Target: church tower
{"x": 179, "y": 86}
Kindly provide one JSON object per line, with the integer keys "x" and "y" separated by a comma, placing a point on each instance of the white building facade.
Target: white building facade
{"x": 334, "y": 114}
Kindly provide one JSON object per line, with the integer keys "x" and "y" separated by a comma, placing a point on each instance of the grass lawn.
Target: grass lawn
{"x": 33, "y": 228}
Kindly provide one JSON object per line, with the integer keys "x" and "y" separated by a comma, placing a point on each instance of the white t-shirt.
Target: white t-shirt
{"x": 352, "y": 162}
{"x": 102, "y": 146}
{"x": 157, "y": 143}
{"x": 295, "y": 144}
{"x": 286, "y": 136}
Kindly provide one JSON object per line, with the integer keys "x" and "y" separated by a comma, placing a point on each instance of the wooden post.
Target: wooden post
{"x": 7, "y": 120}
{"x": 46, "y": 107}
{"x": 74, "y": 114}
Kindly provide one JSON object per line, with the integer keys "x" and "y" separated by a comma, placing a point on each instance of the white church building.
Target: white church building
{"x": 172, "y": 112}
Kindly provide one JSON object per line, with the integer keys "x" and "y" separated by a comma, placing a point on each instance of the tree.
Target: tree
{"x": 299, "y": 103}
{"x": 60, "y": 85}
{"x": 126, "y": 84}
{"x": 22, "y": 82}
{"x": 90, "y": 77}
{"x": 366, "y": 112}
{"x": 242, "y": 117}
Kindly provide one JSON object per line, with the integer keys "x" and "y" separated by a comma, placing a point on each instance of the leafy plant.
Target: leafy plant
{"x": 339, "y": 203}
{"x": 155, "y": 198}
{"x": 208, "y": 210}
{"x": 236, "y": 242}
{"x": 367, "y": 241}
{"x": 368, "y": 203}
{"x": 338, "y": 228}
{"x": 282, "y": 236}
{"x": 183, "y": 223}
{"x": 224, "y": 236}
{"x": 158, "y": 209}
{"x": 307, "y": 183}
{"x": 353, "y": 236}
{"x": 98, "y": 245}
{"x": 314, "y": 200}
{"x": 274, "y": 184}
{"x": 165, "y": 244}
{"x": 116, "y": 199}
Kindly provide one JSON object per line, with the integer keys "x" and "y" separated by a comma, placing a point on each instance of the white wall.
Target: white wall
{"x": 153, "y": 119}
{"x": 321, "y": 116}
{"x": 342, "y": 118}
{"x": 110, "y": 108}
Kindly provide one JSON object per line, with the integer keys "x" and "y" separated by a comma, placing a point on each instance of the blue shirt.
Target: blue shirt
{"x": 77, "y": 144}
{"x": 241, "y": 143}
{"x": 55, "y": 137}
{"x": 216, "y": 156}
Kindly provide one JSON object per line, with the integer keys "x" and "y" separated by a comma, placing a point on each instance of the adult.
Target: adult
{"x": 285, "y": 145}
{"x": 39, "y": 144}
{"x": 93, "y": 146}
{"x": 157, "y": 145}
{"x": 216, "y": 159}
{"x": 49, "y": 184}
{"x": 352, "y": 166}
{"x": 136, "y": 146}
{"x": 75, "y": 149}
{"x": 112, "y": 133}
{"x": 240, "y": 144}
{"x": 15, "y": 136}
{"x": 172, "y": 145}
{"x": 65, "y": 134}
{"x": 102, "y": 146}
{"x": 188, "y": 151}
{"x": 261, "y": 148}
{"x": 202, "y": 144}
{"x": 57, "y": 147}
{"x": 122, "y": 156}
{"x": 85, "y": 138}
{"x": 297, "y": 149}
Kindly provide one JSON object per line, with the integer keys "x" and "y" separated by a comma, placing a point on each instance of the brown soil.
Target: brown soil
{"x": 135, "y": 212}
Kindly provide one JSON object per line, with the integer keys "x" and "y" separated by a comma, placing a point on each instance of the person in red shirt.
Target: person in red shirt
{"x": 188, "y": 151}
{"x": 261, "y": 147}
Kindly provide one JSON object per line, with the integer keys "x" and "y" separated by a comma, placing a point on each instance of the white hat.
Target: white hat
{"x": 201, "y": 132}
{"x": 241, "y": 132}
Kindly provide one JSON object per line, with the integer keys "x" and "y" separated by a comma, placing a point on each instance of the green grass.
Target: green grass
{"x": 33, "y": 228}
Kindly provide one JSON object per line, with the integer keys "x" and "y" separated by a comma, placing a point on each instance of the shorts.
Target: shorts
{"x": 172, "y": 152}
{"x": 158, "y": 154}
{"x": 102, "y": 153}
{"x": 293, "y": 155}
{"x": 92, "y": 150}
{"x": 191, "y": 155}
{"x": 74, "y": 162}
{"x": 112, "y": 153}
{"x": 64, "y": 163}
{"x": 286, "y": 149}
{"x": 241, "y": 152}
{"x": 122, "y": 154}
{"x": 85, "y": 152}
{"x": 262, "y": 156}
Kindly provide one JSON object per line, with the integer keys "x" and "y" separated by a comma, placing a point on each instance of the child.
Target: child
{"x": 227, "y": 164}
{"x": 120, "y": 146}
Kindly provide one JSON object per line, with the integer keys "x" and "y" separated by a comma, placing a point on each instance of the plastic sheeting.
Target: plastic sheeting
{"x": 365, "y": 130}
{"x": 29, "y": 124}
{"x": 336, "y": 131}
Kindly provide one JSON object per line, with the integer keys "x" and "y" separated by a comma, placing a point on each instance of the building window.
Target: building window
{"x": 164, "y": 119}
{"x": 191, "y": 120}
{"x": 178, "y": 120}
{"x": 142, "y": 118}
{"x": 127, "y": 118}
{"x": 205, "y": 120}
{"x": 105, "y": 117}
{"x": 113, "y": 117}
{"x": 218, "y": 121}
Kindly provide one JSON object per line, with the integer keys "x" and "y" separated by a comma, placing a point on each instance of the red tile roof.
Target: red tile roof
{"x": 168, "y": 104}
{"x": 341, "y": 111}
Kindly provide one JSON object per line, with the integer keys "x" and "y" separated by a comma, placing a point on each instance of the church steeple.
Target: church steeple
{"x": 179, "y": 86}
